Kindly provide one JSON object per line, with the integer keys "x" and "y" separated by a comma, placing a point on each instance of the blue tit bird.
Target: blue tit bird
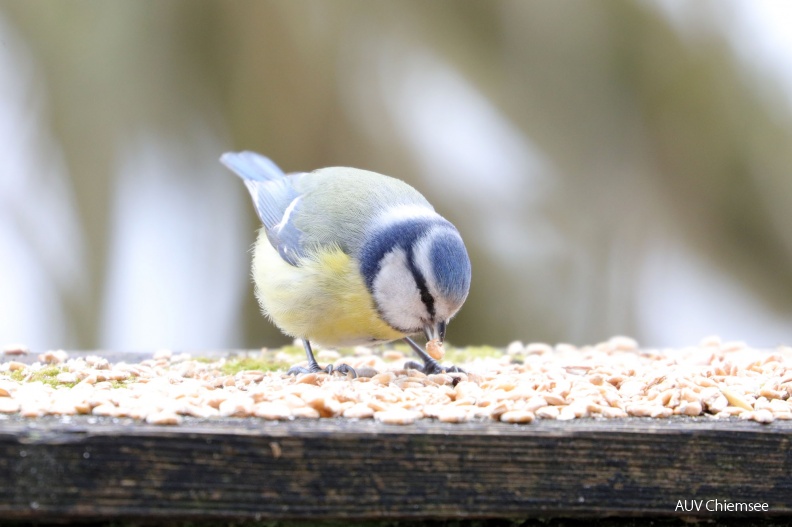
{"x": 350, "y": 257}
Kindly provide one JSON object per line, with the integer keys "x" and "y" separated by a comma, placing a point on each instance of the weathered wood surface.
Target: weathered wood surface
{"x": 90, "y": 468}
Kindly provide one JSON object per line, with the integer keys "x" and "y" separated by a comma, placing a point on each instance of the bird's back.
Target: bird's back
{"x": 339, "y": 203}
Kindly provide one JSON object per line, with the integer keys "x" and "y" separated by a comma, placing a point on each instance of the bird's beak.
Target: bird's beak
{"x": 436, "y": 331}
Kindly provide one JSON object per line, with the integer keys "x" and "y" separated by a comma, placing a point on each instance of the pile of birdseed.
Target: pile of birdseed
{"x": 612, "y": 379}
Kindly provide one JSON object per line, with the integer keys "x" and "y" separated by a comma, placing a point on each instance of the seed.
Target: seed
{"x": 735, "y": 399}
{"x": 31, "y": 410}
{"x": 62, "y": 407}
{"x": 689, "y": 395}
{"x": 82, "y": 408}
{"x": 8, "y": 406}
{"x": 564, "y": 347}
{"x": 163, "y": 354}
{"x": 689, "y": 408}
{"x": 713, "y": 341}
{"x": 307, "y": 378}
{"x": 453, "y": 414}
{"x": 761, "y": 404}
{"x": 97, "y": 363}
{"x": 702, "y": 382}
{"x": 517, "y": 416}
{"x": 392, "y": 355}
{"x": 326, "y": 406}
{"x": 440, "y": 378}
{"x": 638, "y": 410}
{"x": 435, "y": 349}
{"x": 763, "y": 416}
{"x": 106, "y": 409}
{"x": 359, "y": 411}
{"x": 497, "y": 410}
{"x": 613, "y": 413}
{"x": 467, "y": 389}
{"x": 384, "y": 378}
{"x": 53, "y": 357}
{"x": 553, "y": 399}
{"x": 538, "y": 348}
{"x": 661, "y": 411}
{"x": 397, "y": 416}
{"x": 733, "y": 345}
{"x": 163, "y": 418}
{"x": 236, "y": 407}
{"x": 734, "y": 410}
{"x": 305, "y": 412}
{"x": 272, "y": 411}
{"x": 547, "y": 412}
{"x": 203, "y": 412}
{"x": 770, "y": 393}
{"x": 632, "y": 388}
{"x": 16, "y": 366}
{"x": 407, "y": 383}
{"x": 66, "y": 378}
{"x": 566, "y": 413}
{"x": 15, "y": 349}
{"x": 535, "y": 402}
{"x": 613, "y": 399}
{"x": 600, "y": 381}
{"x": 778, "y": 406}
{"x": 621, "y": 343}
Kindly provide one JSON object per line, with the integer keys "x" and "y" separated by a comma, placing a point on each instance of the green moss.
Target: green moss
{"x": 236, "y": 365}
{"x": 125, "y": 383}
{"x": 399, "y": 346}
{"x": 289, "y": 350}
{"x": 47, "y": 375}
{"x": 460, "y": 355}
{"x": 205, "y": 360}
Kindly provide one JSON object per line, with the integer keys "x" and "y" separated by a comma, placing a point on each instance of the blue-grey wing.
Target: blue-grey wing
{"x": 275, "y": 198}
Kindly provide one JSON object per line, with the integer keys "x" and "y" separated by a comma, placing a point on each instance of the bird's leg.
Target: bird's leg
{"x": 313, "y": 366}
{"x": 430, "y": 365}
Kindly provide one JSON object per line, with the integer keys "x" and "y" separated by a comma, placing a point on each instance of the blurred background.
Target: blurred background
{"x": 615, "y": 167}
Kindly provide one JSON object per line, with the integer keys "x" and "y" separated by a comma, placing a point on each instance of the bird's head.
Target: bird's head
{"x": 417, "y": 270}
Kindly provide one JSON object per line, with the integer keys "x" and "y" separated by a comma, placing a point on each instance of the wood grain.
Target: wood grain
{"x": 89, "y": 468}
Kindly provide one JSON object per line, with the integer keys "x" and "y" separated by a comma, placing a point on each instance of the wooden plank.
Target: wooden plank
{"x": 89, "y": 468}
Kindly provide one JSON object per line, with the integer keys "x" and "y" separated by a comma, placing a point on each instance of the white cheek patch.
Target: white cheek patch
{"x": 397, "y": 295}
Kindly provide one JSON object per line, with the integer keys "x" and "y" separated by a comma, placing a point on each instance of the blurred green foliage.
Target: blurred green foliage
{"x": 648, "y": 134}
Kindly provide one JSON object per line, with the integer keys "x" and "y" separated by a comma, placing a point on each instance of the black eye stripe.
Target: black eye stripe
{"x": 420, "y": 281}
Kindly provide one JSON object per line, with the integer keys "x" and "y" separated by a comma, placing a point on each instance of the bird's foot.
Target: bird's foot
{"x": 344, "y": 369}
{"x": 431, "y": 366}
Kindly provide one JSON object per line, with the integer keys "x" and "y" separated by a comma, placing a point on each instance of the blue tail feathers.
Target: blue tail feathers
{"x": 252, "y": 166}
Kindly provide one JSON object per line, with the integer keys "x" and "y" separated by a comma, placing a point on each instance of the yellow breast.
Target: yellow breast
{"x": 324, "y": 299}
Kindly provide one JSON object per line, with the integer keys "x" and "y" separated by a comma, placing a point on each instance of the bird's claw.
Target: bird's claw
{"x": 431, "y": 367}
{"x": 344, "y": 369}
